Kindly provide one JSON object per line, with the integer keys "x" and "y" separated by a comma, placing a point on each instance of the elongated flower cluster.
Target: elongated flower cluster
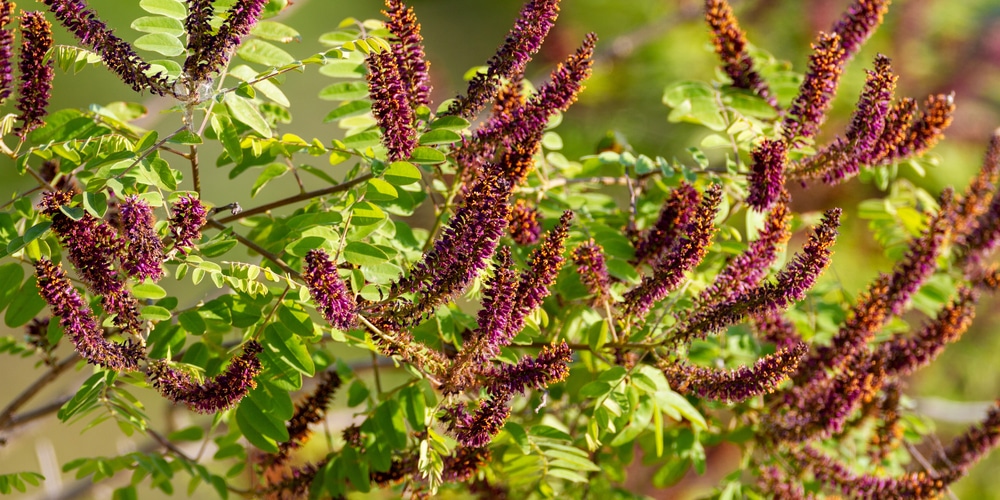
{"x": 307, "y": 412}
{"x": 684, "y": 254}
{"x": 790, "y": 285}
{"x": 117, "y": 54}
{"x": 216, "y": 394}
{"x": 329, "y": 292}
{"x": 210, "y": 53}
{"x": 808, "y": 111}
{"x": 389, "y": 93}
{"x": 589, "y": 260}
{"x": 476, "y": 429}
{"x": 975, "y": 201}
{"x": 197, "y": 25}
{"x": 408, "y": 50}
{"x": 524, "y": 226}
{"x": 730, "y": 45}
{"x": 767, "y": 174}
{"x": 534, "y": 22}
{"x": 6, "y": 50}
{"x": 971, "y": 446}
{"x": 93, "y": 245}
{"x": 544, "y": 264}
{"x": 143, "y": 252}
{"x": 79, "y": 322}
{"x": 862, "y": 18}
{"x": 734, "y": 385}
{"x": 676, "y": 213}
{"x": 830, "y": 472}
{"x": 35, "y": 71}
{"x": 185, "y": 226}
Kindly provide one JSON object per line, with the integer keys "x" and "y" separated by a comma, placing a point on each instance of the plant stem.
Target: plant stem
{"x": 344, "y": 186}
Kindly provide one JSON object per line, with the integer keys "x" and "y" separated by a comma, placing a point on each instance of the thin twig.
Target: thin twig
{"x": 257, "y": 248}
{"x": 344, "y": 186}
{"x": 33, "y": 389}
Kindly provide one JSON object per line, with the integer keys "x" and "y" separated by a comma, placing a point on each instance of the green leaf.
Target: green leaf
{"x": 344, "y": 91}
{"x": 343, "y": 69}
{"x": 155, "y": 313}
{"x": 10, "y": 282}
{"x": 366, "y": 214}
{"x": 380, "y": 190}
{"x": 439, "y": 136}
{"x": 414, "y": 405}
{"x": 391, "y": 423}
{"x": 360, "y": 253}
{"x": 350, "y": 108}
{"x": 160, "y": 43}
{"x": 265, "y": 53}
{"x": 265, "y": 87}
{"x": 192, "y": 433}
{"x": 695, "y": 102}
{"x": 224, "y": 128}
{"x": 243, "y": 110}
{"x": 169, "y": 8}
{"x": 250, "y": 420}
{"x": 568, "y": 475}
{"x": 276, "y": 32}
{"x": 289, "y": 348}
{"x": 148, "y": 291}
{"x": 272, "y": 171}
{"x": 192, "y": 322}
{"x": 217, "y": 247}
{"x": 425, "y": 155}
{"x": 25, "y": 306}
{"x": 159, "y": 24}
{"x": 86, "y": 396}
{"x": 363, "y": 140}
{"x": 401, "y": 173}
{"x": 453, "y": 123}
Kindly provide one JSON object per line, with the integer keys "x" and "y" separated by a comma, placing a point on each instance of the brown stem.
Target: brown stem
{"x": 6, "y": 416}
{"x": 295, "y": 199}
{"x": 257, "y": 248}
{"x": 195, "y": 174}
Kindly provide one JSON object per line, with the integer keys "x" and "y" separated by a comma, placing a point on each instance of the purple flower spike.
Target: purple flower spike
{"x": 408, "y": 50}
{"x": 307, "y": 412}
{"x": 93, "y": 245}
{"x": 117, "y": 54}
{"x": 535, "y": 283}
{"x": 589, "y": 260}
{"x": 196, "y": 25}
{"x": 213, "y": 52}
{"x": 832, "y": 473}
{"x": 391, "y": 107}
{"x": 676, "y": 213}
{"x": 730, "y": 44}
{"x": 79, "y": 322}
{"x": 809, "y": 108}
{"x": 477, "y": 429}
{"x": 524, "y": 227}
{"x": 524, "y": 39}
{"x": 862, "y": 18}
{"x": 734, "y": 386}
{"x": 767, "y": 175}
{"x": 6, "y": 50}
{"x": 185, "y": 226}
{"x": 216, "y": 394}
{"x": 329, "y": 291}
{"x": 904, "y": 354}
{"x": 975, "y": 201}
{"x": 536, "y": 373}
{"x": 686, "y": 253}
{"x": 144, "y": 253}
{"x": 974, "y": 444}
{"x": 36, "y": 72}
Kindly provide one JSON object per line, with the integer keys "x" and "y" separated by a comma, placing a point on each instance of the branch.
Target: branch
{"x": 6, "y": 416}
{"x": 295, "y": 199}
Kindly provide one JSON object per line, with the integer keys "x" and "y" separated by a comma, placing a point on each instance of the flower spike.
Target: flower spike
{"x": 408, "y": 50}
{"x": 391, "y": 105}
{"x": 767, "y": 174}
{"x": 216, "y": 394}
{"x": 6, "y": 50}
{"x": 36, "y": 71}
{"x": 862, "y": 18}
{"x": 185, "y": 226}
{"x": 524, "y": 226}
{"x": 734, "y": 386}
{"x": 809, "y": 108}
{"x": 329, "y": 291}
{"x": 144, "y": 252}
{"x": 211, "y": 53}
{"x": 730, "y": 45}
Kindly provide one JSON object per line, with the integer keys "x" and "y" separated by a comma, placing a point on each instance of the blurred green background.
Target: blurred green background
{"x": 935, "y": 45}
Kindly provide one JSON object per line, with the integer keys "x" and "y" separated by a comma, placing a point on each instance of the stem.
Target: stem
{"x": 195, "y": 175}
{"x": 257, "y": 248}
{"x": 295, "y": 199}
{"x": 150, "y": 151}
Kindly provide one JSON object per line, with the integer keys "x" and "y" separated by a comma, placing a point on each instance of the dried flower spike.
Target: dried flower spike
{"x": 329, "y": 291}
{"x": 307, "y": 412}
{"x": 35, "y": 72}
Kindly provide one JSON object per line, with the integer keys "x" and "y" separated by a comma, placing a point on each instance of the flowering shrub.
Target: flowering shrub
{"x": 544, "y": 332}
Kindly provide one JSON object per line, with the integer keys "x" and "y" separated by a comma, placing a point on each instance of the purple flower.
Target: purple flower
{"x": 774, "y": 328}
{"x": 80, "y": 324}
{"x": 929, "y": 127}
{"x": 734, "y": 386}
{"x": 790, "y": 286}
{"x": 544, "y": 264}
{"x": 895, "y": 131}
{"x": 216, "y": 394}
{"x": 536, "y": 373}
{"x": 116, "y": 53}
{"x": 730, "y": 45}
{"x": 832, "y": 473}
{"x": 767, "y": 174}
{"x": 589, "y": 260}
{"x": 35, "y": 71}
{"x": 93, "y": 245}
{"x": 668, "y": 272}
{"x": 777, "y": 485}
{"x": 329, "y": 291}
{"x": 185, "y": 226}
{"x": 676, "y": 213}
{"x": 197, "y": 24}
{"x": 464, "y": 464}
{"x": 534, "y": 22}
{"x": 391, "y": 106}
{"x": 974, "y": 444}
{"x": 477, "y": 429}
{"x": 862, "y": 18}
{"x": 408, "y": 50}
{"x": 210, "y": 53}
{"x": 744, "y": 272}
{"x": 523, "y": 226}
{"x": 6, "y": 50}
{"x": 809, "y": 107}
{"x": 144, "y": 251}
{"x": 975, "y": 201}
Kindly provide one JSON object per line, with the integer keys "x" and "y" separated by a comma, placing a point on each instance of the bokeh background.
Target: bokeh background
{"x": 936, "y": 46}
